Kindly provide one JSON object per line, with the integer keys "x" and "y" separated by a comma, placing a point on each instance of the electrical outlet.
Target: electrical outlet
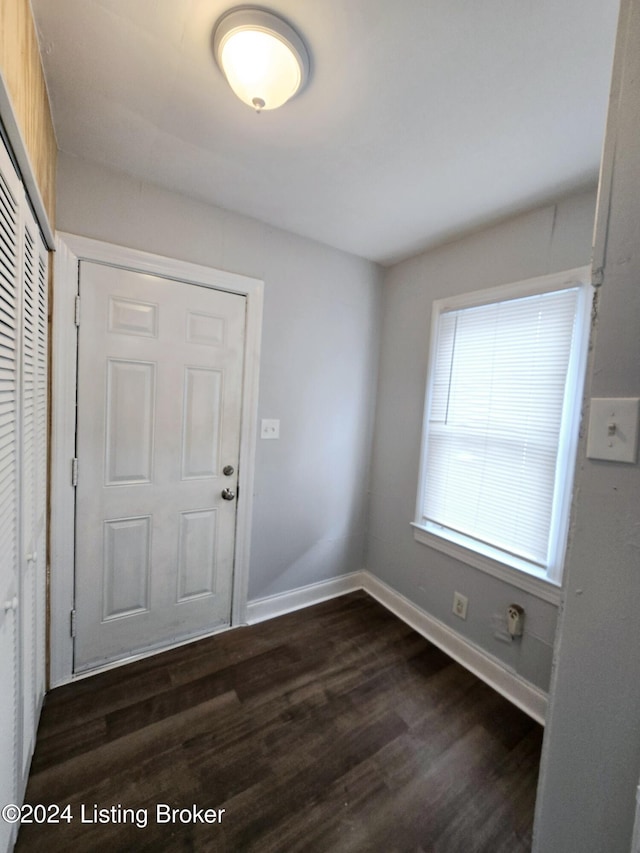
{"x": 460, "y": 603}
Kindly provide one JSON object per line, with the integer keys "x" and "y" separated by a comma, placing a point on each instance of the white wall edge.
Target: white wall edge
{"x": 493, "y": 672}
{"x": 71, "y": 249}
{"x": 64, "y": 342}
{"x": 271, "y": 606}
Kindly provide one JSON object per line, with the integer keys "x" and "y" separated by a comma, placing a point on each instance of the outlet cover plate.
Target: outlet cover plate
{"x": 460, "y": 603}
{"x": 270, "y": 428}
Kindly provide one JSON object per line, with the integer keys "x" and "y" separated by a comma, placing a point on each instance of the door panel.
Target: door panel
{"x": 159, "y": 407}
{"x": 126, "y": 567}
{"x": 201, "y": 420}
{"x": 198, "y": 535}
{"x": 130, "y": 421}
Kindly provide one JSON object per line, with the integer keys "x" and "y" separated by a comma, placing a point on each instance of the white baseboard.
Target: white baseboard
{"x": 304, "y": 596}
{"x": 493, "y": 672}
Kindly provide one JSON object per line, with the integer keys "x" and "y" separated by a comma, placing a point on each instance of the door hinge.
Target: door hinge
{"x": 74, "y": 472}
{"x": 77, "y": 311}
{"x": 72, "y": 622}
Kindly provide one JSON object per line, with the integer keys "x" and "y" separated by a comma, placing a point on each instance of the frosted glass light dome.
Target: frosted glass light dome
{"x": 262, "y": 57}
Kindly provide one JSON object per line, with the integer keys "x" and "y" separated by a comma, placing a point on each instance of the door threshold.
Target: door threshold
{"x": 156, "y": 650}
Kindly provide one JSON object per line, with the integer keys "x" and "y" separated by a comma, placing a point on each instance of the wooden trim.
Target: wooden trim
{"x": 28, "y": 174}
{"x": 26, "y": 110}
{"x": 71, "y": 250}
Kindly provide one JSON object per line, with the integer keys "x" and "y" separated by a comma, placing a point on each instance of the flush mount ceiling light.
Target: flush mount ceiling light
{"x": 262, "y": 57}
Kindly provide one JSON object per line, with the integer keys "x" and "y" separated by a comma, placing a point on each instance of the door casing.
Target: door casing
{"x": 70, "y": 250}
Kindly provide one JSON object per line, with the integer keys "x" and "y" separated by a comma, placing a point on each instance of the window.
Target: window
{"x": 501, "y": 424}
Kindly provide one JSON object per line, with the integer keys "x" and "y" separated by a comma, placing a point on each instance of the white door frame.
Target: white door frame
{"x": 72, "y": 249}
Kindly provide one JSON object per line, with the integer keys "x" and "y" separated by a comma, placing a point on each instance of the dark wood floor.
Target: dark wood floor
{"x": 336, "y": 728}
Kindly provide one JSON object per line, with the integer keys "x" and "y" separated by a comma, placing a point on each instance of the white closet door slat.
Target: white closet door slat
{"x": 30, "y": 486}
{"x": 42, "y": 419}
{"x": 10, "y": 193}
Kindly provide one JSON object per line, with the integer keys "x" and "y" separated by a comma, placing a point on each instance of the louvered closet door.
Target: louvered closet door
{"x": 9, "y": 485}
{"x": 41, "y": 425}
{"x": 34, "y": 418}
{"x": 23, "y": 461}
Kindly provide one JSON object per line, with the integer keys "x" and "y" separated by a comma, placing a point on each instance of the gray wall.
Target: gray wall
{"x": 319, "y": 357}
{"x": 591, "y": 756}
{"x": 546, "y": 240}
{"x": 318, "y": 368}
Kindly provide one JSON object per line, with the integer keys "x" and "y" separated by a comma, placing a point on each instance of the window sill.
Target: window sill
{"x": 541, "y": 588}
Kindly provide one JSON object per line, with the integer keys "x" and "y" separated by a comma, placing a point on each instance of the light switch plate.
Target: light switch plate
{"x": 270, "y": 428}
{"x": 613, "y": 429}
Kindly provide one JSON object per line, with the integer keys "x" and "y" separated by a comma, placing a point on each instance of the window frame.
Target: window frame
{"x": 545, "y": 583}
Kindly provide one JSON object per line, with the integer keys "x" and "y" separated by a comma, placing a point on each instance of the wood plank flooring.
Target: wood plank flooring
{"x": 335, "y": 728}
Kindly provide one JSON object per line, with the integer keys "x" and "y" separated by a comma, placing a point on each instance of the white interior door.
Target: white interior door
{"x": 160, "y": 368}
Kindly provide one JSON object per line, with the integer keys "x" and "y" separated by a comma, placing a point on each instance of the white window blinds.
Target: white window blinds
{"x": 498, "y": 398}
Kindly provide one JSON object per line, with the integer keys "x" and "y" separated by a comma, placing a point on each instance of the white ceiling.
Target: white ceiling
{"x": 422, "y": 118}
